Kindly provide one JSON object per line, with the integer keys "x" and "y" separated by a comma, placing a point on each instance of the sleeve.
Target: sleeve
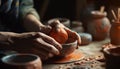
{"x": 27, "y": 7}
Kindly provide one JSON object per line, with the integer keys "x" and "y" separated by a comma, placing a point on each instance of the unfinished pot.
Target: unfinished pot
{"x": 68, "y": 48}
{"x": 77, "y": 26}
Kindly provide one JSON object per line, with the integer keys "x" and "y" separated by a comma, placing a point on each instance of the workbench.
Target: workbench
{"x": 93, "y": 58}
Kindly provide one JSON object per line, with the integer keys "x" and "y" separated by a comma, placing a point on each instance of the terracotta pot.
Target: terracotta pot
{"x": 22, "y": 61}
{"x": 98, "y": 25}
{"x": 112, "y": 57}
{"x": 115, "y": 33}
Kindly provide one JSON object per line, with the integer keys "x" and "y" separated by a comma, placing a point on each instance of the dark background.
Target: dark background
{"x": 67, "y": 8}
{"x": 57, "y": 8}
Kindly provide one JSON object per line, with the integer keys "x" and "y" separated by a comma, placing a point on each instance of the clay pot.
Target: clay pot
{"x": 98, "y": 25}
{"x": 112, "y": 57}
{"x": 115, "y": 33}
{"x": 22, "y": 61}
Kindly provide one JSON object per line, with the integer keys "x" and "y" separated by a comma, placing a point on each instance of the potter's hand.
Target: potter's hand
{"x": 72, "y": 35}
{"x": 36, "y": 43}
{"x": 45, "y": 29}
{"x": 32, "y": 24}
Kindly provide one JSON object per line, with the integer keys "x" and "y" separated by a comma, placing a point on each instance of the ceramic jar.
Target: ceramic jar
{"x": 21, "y": 61}
{"x": 115, "y": 33}
{"x": 98, "y": 25}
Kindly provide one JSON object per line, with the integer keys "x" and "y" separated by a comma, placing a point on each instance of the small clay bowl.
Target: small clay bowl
{"x": 21, "y": 61}
{"x": 68, "y": 48}
{"x": 112, "y": 57}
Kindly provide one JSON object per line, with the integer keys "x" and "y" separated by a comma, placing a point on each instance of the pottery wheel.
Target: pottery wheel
{"x": 75, "y": 56}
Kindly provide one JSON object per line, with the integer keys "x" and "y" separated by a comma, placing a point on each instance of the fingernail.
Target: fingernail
{"x": 57, "y": 52}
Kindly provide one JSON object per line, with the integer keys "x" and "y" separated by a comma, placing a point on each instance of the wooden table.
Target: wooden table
{"x": 93, "y": 58}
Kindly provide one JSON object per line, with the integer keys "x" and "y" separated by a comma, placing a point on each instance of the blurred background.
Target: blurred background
{"x": 72, "y": 9}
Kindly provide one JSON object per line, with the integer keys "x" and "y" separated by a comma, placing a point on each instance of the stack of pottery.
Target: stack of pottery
{"x": 64, "y": 21}
{"x": 77, "y": 26}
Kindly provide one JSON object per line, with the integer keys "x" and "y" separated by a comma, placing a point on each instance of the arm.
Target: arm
{"x": 30, "y": 17}
{"x": 31, "y": 23}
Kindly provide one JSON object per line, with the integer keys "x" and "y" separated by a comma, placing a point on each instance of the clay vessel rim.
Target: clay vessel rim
{"x": 107, "y": 51}
{"x": 24, "y": 63}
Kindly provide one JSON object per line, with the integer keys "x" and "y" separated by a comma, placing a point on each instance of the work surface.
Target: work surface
{"x": 93, "y": 58}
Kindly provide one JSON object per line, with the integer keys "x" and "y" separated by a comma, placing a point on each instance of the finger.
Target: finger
{"x": 78, "y": 38}
{"x": 39, "y": 43}
{"x": 51, "y": 41}
{"x": 46, "y": 29}
{"x": 49, "y": 27}
{"x": 74, "y": 35}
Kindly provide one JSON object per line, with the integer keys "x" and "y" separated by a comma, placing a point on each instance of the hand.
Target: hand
{"x": 72, "y": 35}
{"x": 45, "y": 29}
{"x": 36, "y": 43}
{"x": 32, "y": 24}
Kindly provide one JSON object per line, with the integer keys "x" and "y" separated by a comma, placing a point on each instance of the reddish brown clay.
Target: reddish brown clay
{"x": 115, "y": 33}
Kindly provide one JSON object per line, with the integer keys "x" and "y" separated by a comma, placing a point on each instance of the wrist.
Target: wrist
{"x": 31, "y": 23}
{"x": 5, "y": 41}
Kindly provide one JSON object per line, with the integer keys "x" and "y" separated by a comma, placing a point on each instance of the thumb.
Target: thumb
{"x": 46, "y": 29}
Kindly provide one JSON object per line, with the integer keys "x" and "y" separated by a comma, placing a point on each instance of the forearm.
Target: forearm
{"x": 29, "y": 17}
{"x": 31, "y": 23}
